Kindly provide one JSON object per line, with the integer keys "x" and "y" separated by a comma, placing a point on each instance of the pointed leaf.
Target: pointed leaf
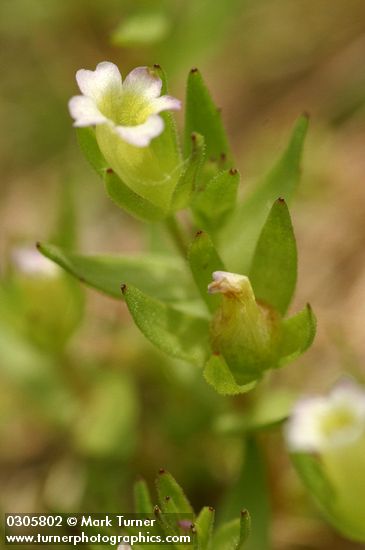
{"x": 227, "y": 536}
{"x": 188, "y": 180}
{"x": 204, "y": 260}
{"x": 241, "y": 233}
{"x": 273, "y": 273}
{"x": 218, "y": 375}
{"x": 245, "y": 529}
{"x": 128, "y": 200}
{"x": 177, "y": 334}
{"x": 298, "y": 333}
{"x": 169, "y": 490}
{"x": 142, "y": 499}
{"x": 89, "y": 146}
{"x": 204, "y": 527}
{"x": 160, "y": 276}
{"x": 202, "y": 116}
{"x": 169, "y": 139}
{"x": 213, "y": 204}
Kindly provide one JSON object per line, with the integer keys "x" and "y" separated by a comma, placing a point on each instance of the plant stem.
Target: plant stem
{"x": 177, "y": 235}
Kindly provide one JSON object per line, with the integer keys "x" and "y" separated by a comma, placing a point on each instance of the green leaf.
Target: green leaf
{"x": 170, "y": 491}
{"x": 213, "y": 204}
{"x": 204, "y": 260}
{"x": 142, "y": 499}
{"x": 202, "y": 116}
{"x": 168, "y": 141}
{"x": 245, "y": 529}
{"x": 90, "y": 148}
{"x": 160, "y": 276}
{"x": 240, "y": 235}
{"x": 177, "y": 334}
{"x": 188, "y": 180}
{"x": 227, "y": 536}
{"x": 218, "y": 375}
{"x": 128, "y": 200}
{"x": 273, "y": 273}
{"x": 298, "y": 333}
{"x": 204, "y": 527}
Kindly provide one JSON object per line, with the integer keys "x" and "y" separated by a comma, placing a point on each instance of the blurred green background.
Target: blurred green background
{"x": 86, "y": 403}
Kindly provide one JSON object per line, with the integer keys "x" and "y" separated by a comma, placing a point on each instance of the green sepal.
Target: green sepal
{"x": 160, "y": 276}
{"x": 90, "y": 148}
{"x": 298, "y": 333}
{"x": 128, "y": 200}
{"x": 204, "y": 260}
{"x": 202, "y": 116}
{"x": 188, "y": 180}
{"x": 218, "y": 375}
{"x": 241, "y": 233}
{"x": 142, "y": 499}
{"x": 213, "y": 204}
{"x": 169, "y": 491}
{"x": 273, "y": 273}
{"x": 178, "y": 334}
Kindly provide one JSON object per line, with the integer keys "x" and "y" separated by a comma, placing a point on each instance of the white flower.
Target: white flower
{"x": 131, "y": 107}
{"x": 31, "y": 262}
{"x": 225, "y": 282}
{"x": 319, "y": 424}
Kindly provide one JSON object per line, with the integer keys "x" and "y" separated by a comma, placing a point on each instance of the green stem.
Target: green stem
{"x": 177, "y": 235}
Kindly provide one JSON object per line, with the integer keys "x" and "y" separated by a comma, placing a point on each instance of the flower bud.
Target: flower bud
{"x": 129, "y": 128}
{"x": 245, "y": 332}
{"x": 331, "y": 431}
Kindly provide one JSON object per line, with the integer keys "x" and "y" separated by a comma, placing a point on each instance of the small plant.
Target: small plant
{"x": 237, "y": 330}
{"x": 218, "y": 299}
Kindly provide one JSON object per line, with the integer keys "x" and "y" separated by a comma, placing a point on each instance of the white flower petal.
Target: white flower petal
{"x": 164, "y": 103}
{"x": 303, "y": 431}
{"x": 105, "y": 79}
{"x": 142, "y": 134}
{"x": 85, "y": 112}
{"x": 141, "y": 81}
{"x": 321, "y": 423}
